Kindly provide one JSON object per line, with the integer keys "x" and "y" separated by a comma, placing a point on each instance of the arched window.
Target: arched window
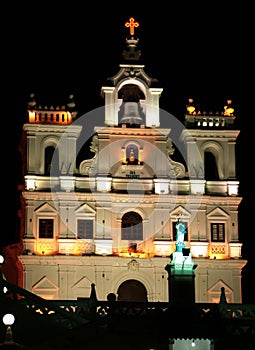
{"x": 132, "y": 154}
{"x": 132, "y": 226}
{"x": 50, "y": 162}
{"x": 211, "y": 170}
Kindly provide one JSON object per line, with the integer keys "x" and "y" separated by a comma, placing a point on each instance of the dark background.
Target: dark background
{"x": 203, "y": 52}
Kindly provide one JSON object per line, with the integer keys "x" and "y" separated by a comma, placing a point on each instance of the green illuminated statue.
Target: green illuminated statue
{"x": 181, "y": 230}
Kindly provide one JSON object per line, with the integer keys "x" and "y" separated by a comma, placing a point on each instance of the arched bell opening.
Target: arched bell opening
{"x": 131, "y": 112}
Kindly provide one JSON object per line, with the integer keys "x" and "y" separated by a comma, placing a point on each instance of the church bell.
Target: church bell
{"x": 131, "y": 114}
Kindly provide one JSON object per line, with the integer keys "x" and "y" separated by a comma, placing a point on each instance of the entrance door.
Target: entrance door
{"x": 132, "y": 290}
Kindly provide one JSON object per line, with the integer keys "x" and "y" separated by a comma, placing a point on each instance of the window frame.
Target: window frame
{"x": 218, "y": 226}
{"x": 87, "y": 220}
{"x": 47, "y": 219}
{"x": 132, "y": 232}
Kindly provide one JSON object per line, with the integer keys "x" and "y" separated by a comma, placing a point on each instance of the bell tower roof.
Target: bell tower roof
{"x": 131, "y": 96}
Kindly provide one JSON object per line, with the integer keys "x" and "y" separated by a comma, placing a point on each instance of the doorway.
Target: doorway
{"x": 132, "y": 290}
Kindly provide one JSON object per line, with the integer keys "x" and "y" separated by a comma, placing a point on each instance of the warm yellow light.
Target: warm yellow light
{"x": 229, "y": 109}
{"x": 50, "y": 117}
{"x": 190, "y": 107}
{"x": 137, "y": 255}
{"x": 217, "y": 256}
{"x": 31, "y": 116}
{"x": 44, "y": 252}
{"x": 69, "y": 117}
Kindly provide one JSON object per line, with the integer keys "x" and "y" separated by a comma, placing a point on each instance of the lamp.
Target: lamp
{"x": 190, "y": 107}
{"x": 9, "y": 343}
{"x": 8, "y": 320}
{"x": 229, "y": 109}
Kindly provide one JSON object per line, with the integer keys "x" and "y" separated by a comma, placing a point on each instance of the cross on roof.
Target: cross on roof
{"x": 131, "y": 25}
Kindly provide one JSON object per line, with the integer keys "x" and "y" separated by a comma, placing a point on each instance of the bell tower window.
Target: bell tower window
{"x": 51, "y": 160}
{"x": 131, "y": 112}
{"x": 211, "y": 171}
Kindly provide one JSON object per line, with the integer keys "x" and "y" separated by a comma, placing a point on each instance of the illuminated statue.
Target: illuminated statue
{"x": 181, "y": 230}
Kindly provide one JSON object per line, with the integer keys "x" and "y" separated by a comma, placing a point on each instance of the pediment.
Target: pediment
{"x": 217, "y": 287}
{"x": 128, "y": 75}
{"x": 217, "y": 213}
{"x": 45, "y": 283}
{"x": 83, "y": 283}
{"x": 180, "y": 210}
{"x": 45, "y": 208}
{"x": 85, "y": 209}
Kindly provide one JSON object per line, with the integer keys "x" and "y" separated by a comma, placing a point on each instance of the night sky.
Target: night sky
{"x": 194, "y": 51}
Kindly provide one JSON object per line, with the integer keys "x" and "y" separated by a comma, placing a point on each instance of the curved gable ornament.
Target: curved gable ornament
{"x": 177, "y": 169}
{"x": 89, "y": 166}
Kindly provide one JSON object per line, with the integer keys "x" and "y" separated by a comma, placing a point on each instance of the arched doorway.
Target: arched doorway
{"x": 132, "y": 290}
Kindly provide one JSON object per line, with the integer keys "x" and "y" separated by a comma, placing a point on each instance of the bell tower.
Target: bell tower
{"x": 132, "y": 97}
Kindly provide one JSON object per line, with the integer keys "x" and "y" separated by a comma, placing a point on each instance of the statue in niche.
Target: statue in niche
{"x": 180, "y": 234}
{"x": 89, "y": 166}
{"x": 132, "y": 154}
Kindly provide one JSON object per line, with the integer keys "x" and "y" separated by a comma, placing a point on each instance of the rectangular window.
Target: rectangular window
{"x": 217, "y": 232}
{"x": 175, "y": 230}
{"x": 46, "y": 228}
{"x": 132, "y": 232}
{"x": 85, "y": 229}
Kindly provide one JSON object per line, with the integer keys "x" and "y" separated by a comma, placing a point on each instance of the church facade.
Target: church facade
{"x": 111, "y": 218}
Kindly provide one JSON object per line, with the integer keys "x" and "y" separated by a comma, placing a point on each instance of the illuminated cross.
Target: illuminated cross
{"x": 132, "y": 25}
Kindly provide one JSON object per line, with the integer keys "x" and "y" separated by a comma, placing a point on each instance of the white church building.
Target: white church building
{"x": 108, "y": 215}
